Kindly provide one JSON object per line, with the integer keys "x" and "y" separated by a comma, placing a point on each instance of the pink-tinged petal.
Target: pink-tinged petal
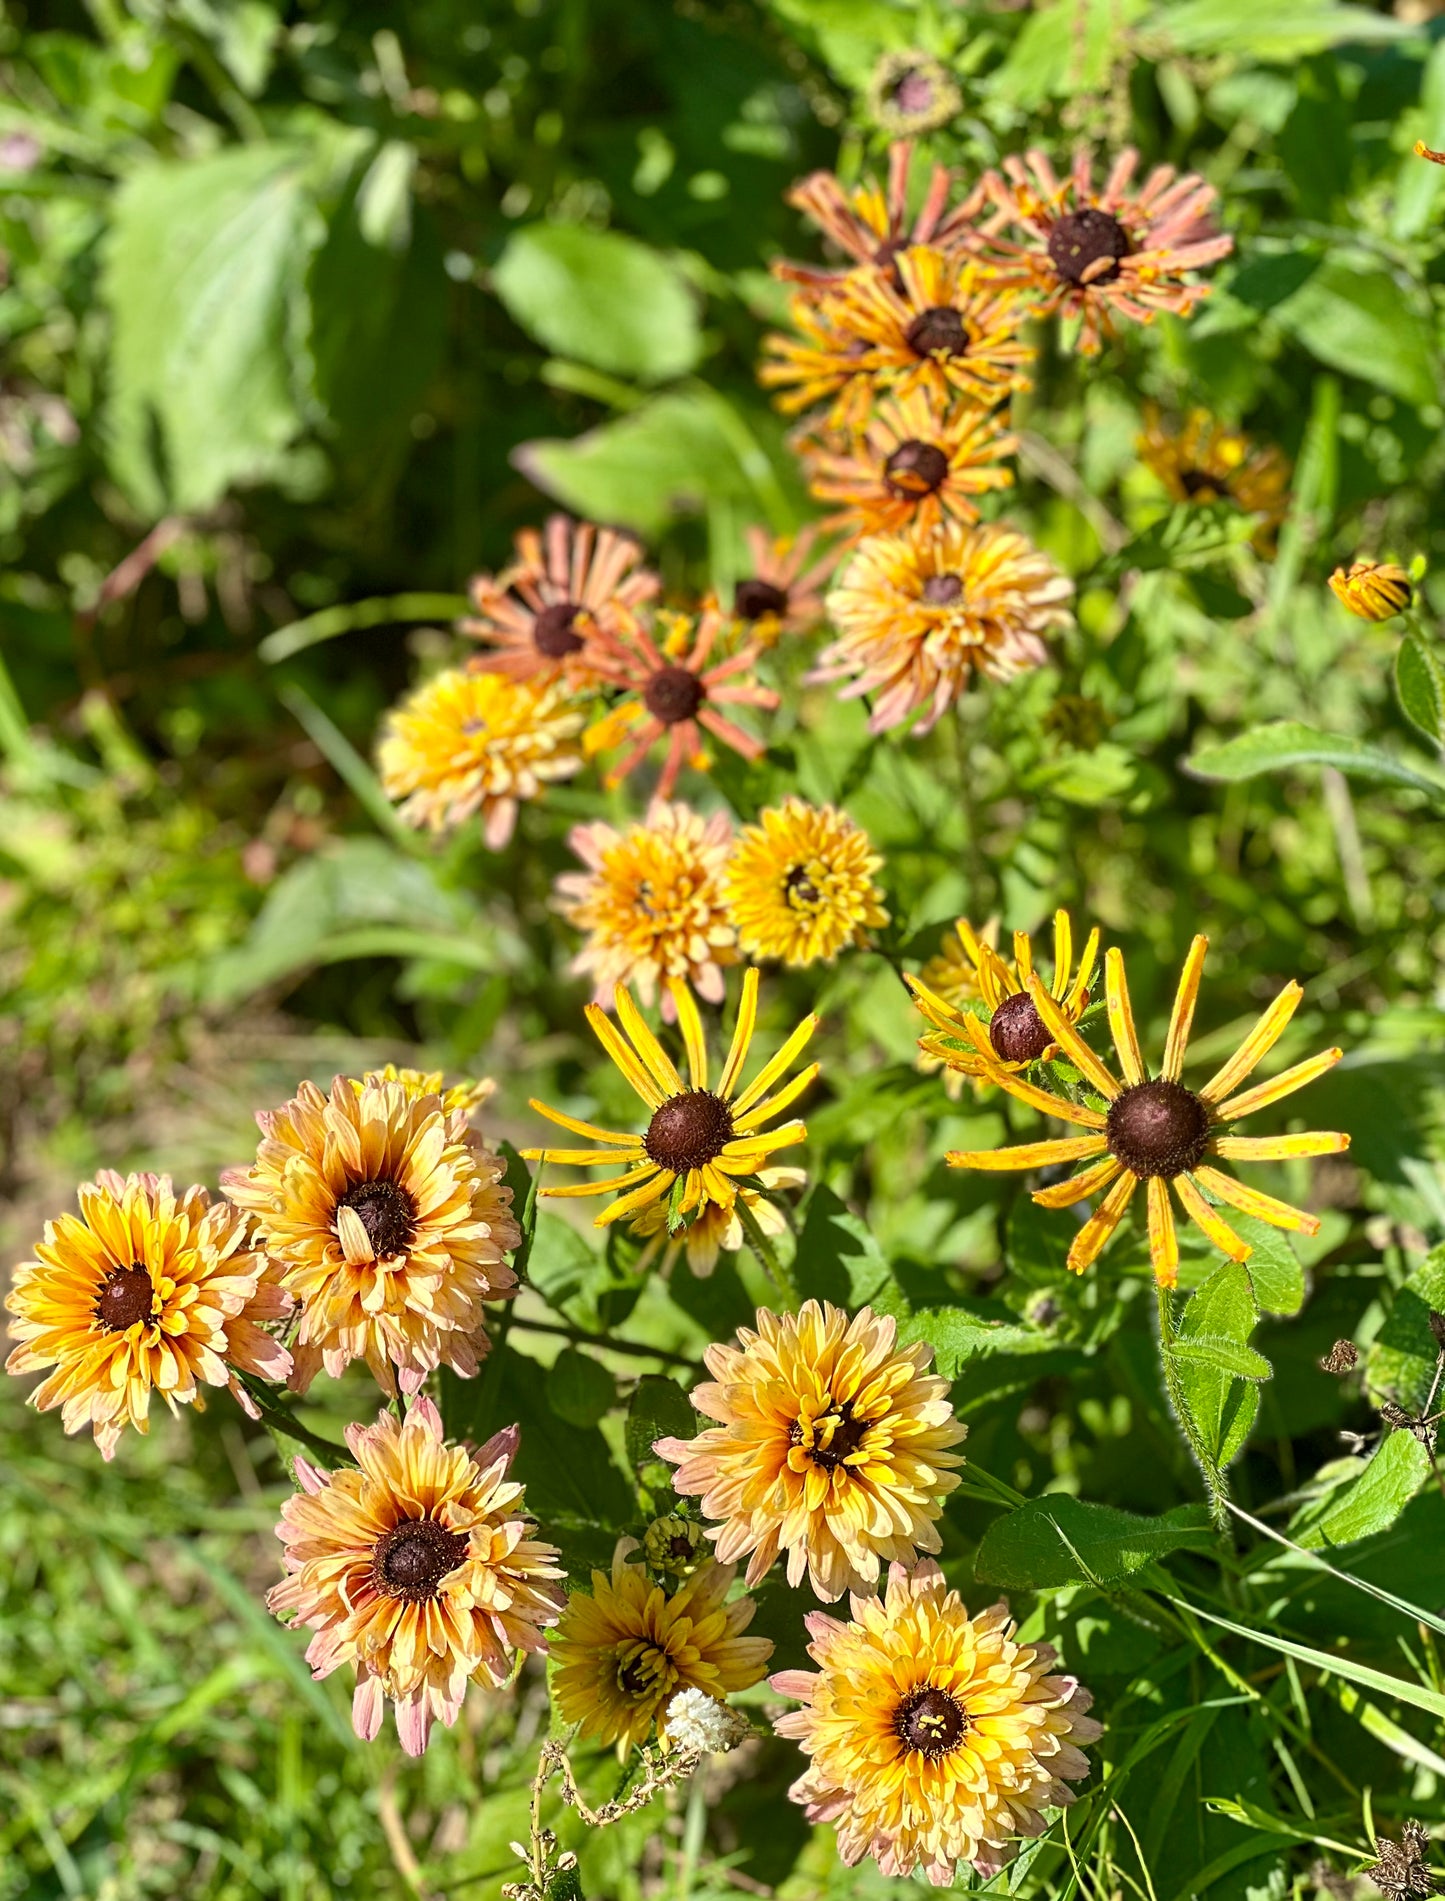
{"x": 413, "y": 1724}
{"x": 368, "y": 1706}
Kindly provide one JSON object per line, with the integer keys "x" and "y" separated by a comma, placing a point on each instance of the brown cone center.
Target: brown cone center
{"x": 1081, "y": 239}
{"x": 1200, "y": 486}
{"x": 754, "y": 598}
{"x": 673, "y": 694}
{"x": 800, "y": 889}
{"x": 126, "y": 1296}
{"x": 942, "y": 590}
{"x": 688, "y": 1131}
{"x": 937, "y": 329}
{"x": 844, "y": 1441}
{"x": 412, "y": 1558}
{"x": 1017, "y": 1031}
{"x": 931, "y": 1721}
{"x": 554, "y": 632}
{"x": 915, "y": 469}
{"x": 1158, "y": 1128}
{"x": 386, "y": 1211}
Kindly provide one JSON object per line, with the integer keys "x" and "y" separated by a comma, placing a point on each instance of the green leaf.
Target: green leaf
{"x": 1369, "y": 1502}
{"x": 1403, "y": 1355}
{"x": 659, "y": 1409}
{"x": 523, "y": 1184}
{"x": 1037, "y": 1242}
{"x": 1285, "y": 743}
{"x": 579, "y": 1389}
{"x": 957, "y": 1335}
{"x": 1284, "y": 30}
{"x": 1057, "y": 1541}
{"x": 838, "y": 1259}
{"x": 600, "y": 297}
{"x": 1418, "y": 185}
{"x": 683, "y": 453}
{"x": 1420, "y": 688}
{"x": 568, "y": 1470}
{"x": 1226, "y": 1356}
{"x": 1274, "y": 1272}
{"x": 201, "y": 273}
{"x": 360, "y": 898}
{"x": 1190, "y": 535}
{"x": 1358, "y": 318}
{"x": 1065, "y": 49}
{"x": 1222, "y": 1401}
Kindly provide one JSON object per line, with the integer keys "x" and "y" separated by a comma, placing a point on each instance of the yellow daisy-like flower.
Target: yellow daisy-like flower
{"x": 651, "y": 902}
{"x": 916, "y": 462}
{"x": 388, "y": 1220}
{"x": 923, "y": 611}
{"x": 709, "y": 1140}
{"x": 952, "y": 977}
{"x": 929, "y": 321}
{"x": 1372, "y": 590}
{"x": 144, "y": 1291}
{"x": 624, "y": 1652}
{"x": 799, "y": 884}
{"x": 1205, "y": 460}
{"x": 1153, "y": 1129}
{"x": 1015, "y": 1031}
{"x": 419, "y": 1569}
{"x": 467, "y": 742}
{"x": 714, "y": 1229}
{"x": 933, "y": 1738}
{"x": 432, "y": 1082}
{"x": 833, "y": 1444}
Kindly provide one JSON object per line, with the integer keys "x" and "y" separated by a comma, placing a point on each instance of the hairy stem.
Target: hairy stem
{"x": 1215, "y": 1485}
{"x": 780, "y": 1276}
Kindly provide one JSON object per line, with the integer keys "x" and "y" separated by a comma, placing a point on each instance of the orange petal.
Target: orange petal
{"x": 1089, "y": 1242}
{"x": 1205, "y": 1218}
{"x": 1065, "y": 1194}
{"x": 1163, "y": 1236}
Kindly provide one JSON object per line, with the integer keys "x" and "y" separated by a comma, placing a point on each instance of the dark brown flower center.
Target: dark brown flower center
{"x": 752, "y": 599}
{"x": 915, "y": 469}
{"x": 942, "y": 590}
{"x": 673, "y": 694}
{"x": 689, "y": 1130}
{"x": 1158, "y": 1128}
{"x": 639, "y": 1667}
{"x": 1200, "y": 486}
{"x": 554, "y": 632}
{"x": 844, "y": 1440}
{"x": 931, "y": 1721}
{"x": 1017, "y": 1031}
{"x": 1081, "y": 239}
{"x": 412, "y": 1558}
{"x": 386, "y": 1211}
{"x": 939, "y": 328}
{"x": 800, "y": 889}
{"x": 126, "y": 1296}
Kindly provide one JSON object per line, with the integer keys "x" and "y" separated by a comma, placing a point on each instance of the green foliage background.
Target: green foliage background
{"x": 302, "y": 307}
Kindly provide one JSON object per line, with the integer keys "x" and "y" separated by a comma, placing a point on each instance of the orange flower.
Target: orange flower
{"x": 870, "y": 224}
{"x": 784, "y": 592}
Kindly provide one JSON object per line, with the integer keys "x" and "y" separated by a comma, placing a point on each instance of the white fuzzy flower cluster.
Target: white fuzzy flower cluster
{"x": 699, "y": 1725}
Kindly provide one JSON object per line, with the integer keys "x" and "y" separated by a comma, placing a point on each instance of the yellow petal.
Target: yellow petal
{"x": 1071, "y": 1043}
{"x": 1284, "y": 1084}
{"x": 775, "y": 1067}
{"x": 1256, "y": 1046}
{"x": 1182, "y": 1019}
{"x": 1279, "y": 1148}
{"x": 742, "y": 1035}
{"x": 653, "y": 1057}
{"x": 1205, "y": 1218}
{"x": 1121, "y": 1018}
{"x": 1089, "y": 1241}
{"x": 1079, "y": 989}
{"x": 618, "y": 1049}
{"x": 690, "y": 1023}
{"x": 1063, "y": 955}
{"x": 1253, "y": 1201}
{"x": 1057, "y": 1106}
{"x": 1073, "y": 1148}
{"x": 1077, "y": 1187}
{"x": 1163, "y": 1236}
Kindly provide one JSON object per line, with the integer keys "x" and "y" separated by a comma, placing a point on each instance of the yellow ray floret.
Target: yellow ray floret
{"x": 1155, "y": 1130}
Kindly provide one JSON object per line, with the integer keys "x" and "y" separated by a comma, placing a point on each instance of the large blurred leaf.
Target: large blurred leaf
{"x": 201, "y": 273}
{"x": 1066, "y": 48}
{"x": 1403, "y": 1356}
{"x": 1055, "y": 1541}
{"x": 1280, "y": 30}
{"x": 1418, "y": 188}
{"x": 1285, "y": 743}
{"x": 600, "y": 297}
{"x": 682, "y": 453}
{"x": 1420, "y": 687}
{"x": 1360, "y": 319}
{"x": 359, "y": 899}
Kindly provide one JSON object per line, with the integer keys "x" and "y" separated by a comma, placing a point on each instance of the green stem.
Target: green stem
{"x": 278, "y": 1420}
{"x": 580, "y": 1337}
{"x": 694, "y": 1828}
{"x": 780, "y": 1276}
{"x": 1215, "y": 1484}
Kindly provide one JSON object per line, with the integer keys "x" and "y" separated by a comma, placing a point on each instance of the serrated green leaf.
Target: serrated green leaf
{"x": 838, "y": 1259}
{"x": 659, "y": 1409}
{"x": 1420, "y": 688}
{"x": 1056, "y": 1541}
{"x": 602, "y": 298}
{"x": 1283, "y": 30}
{"x": 1403, "y": 1355}
{"x": 957, "y": 1335}
{"x": 1222, "y": 1404}
{"x": 1285, "y": 743}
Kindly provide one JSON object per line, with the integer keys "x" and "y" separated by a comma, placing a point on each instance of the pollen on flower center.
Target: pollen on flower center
{"x": 125, "y": 1297}
{"x": 939, "y": 328}
{"x": 386, "y": 1211}
{"x": 914, "y": 469}
{"x": 831, "y": 1448}
{"x": 942, "y": 590}
{"x": 1017, "y": 1031}
{"x": 412, "y": 1558}
{"x": 1081, "y": 240}
{"x": 931, "y": 1722}
{"x": 1158, "y": 1128}
{"x": 554, "y": 632}
{"x": 754, "y": 598}
{"x": 688, "y": 1131}
{"x": 673, "y": 694}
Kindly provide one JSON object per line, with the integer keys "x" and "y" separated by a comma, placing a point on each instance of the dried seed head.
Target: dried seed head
{"x": 1085, "y": 247}
{"x": 938, "y": 330}
{"x": 688, "y": 1131}
{"x": 1017, "y": 1031}
{"x": 673, "y": 694}
{"x": 412, "y": 1558}
{"x": 554, "y": 632}
{"x": 1343, "y": 1357}
{"x": 1158, "y": 1128}
{"x": 754, "y": 598}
